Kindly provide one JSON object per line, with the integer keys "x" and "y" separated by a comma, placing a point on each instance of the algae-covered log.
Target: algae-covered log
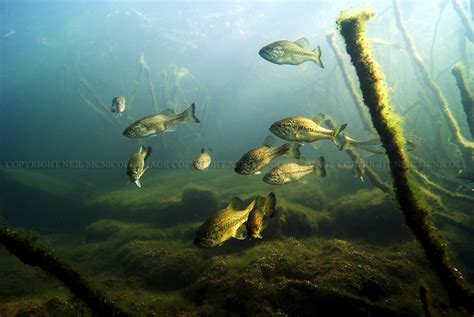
{"x": 388, "y": 125}
{"x": 425, "y": 300}
{"x": 467, "y": 95}
{"x": 30, "y": 255}
{"x": 466, "y": 147}
{"x": 349, "y": 83}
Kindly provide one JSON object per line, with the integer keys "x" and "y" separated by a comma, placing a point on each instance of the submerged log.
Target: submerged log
{"x": 467, "y": 95}
{"x": 465, "y": 146}
{"x": 31, "y": 255}
{"x": 352, "y": 26}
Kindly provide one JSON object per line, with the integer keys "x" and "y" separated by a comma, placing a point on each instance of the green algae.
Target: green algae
{"x": 388, "y": 125}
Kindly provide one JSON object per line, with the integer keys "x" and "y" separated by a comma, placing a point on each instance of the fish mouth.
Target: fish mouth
{"x": 201, "y": 244}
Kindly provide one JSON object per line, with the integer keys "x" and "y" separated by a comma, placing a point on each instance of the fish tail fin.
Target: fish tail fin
{"x": 188, "y": 114}
{"x": 336, "y": 132}
{"x": 271, "y": 203}
{"x": 290, "y": 149}
{"x": 317, "y": 58}
{"x": 319, "y": 167}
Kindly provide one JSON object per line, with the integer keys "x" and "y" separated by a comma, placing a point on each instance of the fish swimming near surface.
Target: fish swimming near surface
{"x": 294, "y": 172}
{"x": 225, "y": 224}
{"x": 158, "y": 123}
{"x": 258, "y": 218}
{"x": 203, "y": 160}
{"x": 118, "y": 105}
{"x": 136, "y": 165}
{"x": 301, "y": 129}
{"x": 291, "y": 53}
{"x": 256, "y": 159}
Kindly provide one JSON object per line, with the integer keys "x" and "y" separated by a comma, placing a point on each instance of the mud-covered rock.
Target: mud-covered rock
{"x": 297, "y": 223}
{"x": 103, "y": 229}
{"x": 369, "y": 215}
{"x": 161, "y": 267}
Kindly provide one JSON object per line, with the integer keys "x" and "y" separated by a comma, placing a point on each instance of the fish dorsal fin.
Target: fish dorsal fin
{"x": 318, "y": 119}
{"x": 236, "y": 204}
{"x": 167, "y": 112}
{"x": 269, "y": 141}
{"x": 303, "y": 42}
{"x": 203, "y": 150}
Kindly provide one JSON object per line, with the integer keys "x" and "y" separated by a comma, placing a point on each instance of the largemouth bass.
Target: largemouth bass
{"x": 293, "y": 172}
{"x": 258, "y": 218}
{"x": 256, "y": 159}
{"x": 158, "y": 123}
{"x": 291, "y": 53}
{"x": 225, "y": 224}
{"x": 136, "y": 165}
{"x": 301, "y": 129}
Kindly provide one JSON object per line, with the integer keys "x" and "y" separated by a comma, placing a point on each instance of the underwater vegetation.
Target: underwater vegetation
{"x": 203, "y": 239}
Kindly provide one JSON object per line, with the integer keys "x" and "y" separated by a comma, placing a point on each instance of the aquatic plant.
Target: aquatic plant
{"x": 467, "y": 94}
{"x": 35, "y": 256}
{"x": 351, "y": 25}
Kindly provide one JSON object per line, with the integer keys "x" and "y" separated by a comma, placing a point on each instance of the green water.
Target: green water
{"x": 337, "y": 245}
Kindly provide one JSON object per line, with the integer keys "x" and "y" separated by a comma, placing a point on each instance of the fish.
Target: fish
{"x": 136, "y": 165}
{"x": 118, "y": 105}
{"x": 359, "y": 169}
{"x": 159, "y": 123}
{"x": 256, "y": 159}
{"x": 8, "y": 34}
{"x": 373, "y": 145}
{"x": 203, "y": 160}
{"x": 301, "y": 129}
{"x": 291, "y": 53}
{"x": 257, "y": 221}
{"x": 294, "y": 172}
{"x": 347, "y": 142}
{"x": 224, "y": 224}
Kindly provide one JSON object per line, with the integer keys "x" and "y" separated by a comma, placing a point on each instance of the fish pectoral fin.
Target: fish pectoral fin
{"x": 170, "y": 129}
{"x": 241, "y": 232}
{"x": 258, "y": 173}
{"x": 315, "y": 145}
{"x": 137, "y": 182}
{"x": 319, "y": 118}
{"x": 259, "y": 235}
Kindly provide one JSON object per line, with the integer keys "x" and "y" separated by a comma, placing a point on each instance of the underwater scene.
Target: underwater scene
{"x": 236, "y": 158}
